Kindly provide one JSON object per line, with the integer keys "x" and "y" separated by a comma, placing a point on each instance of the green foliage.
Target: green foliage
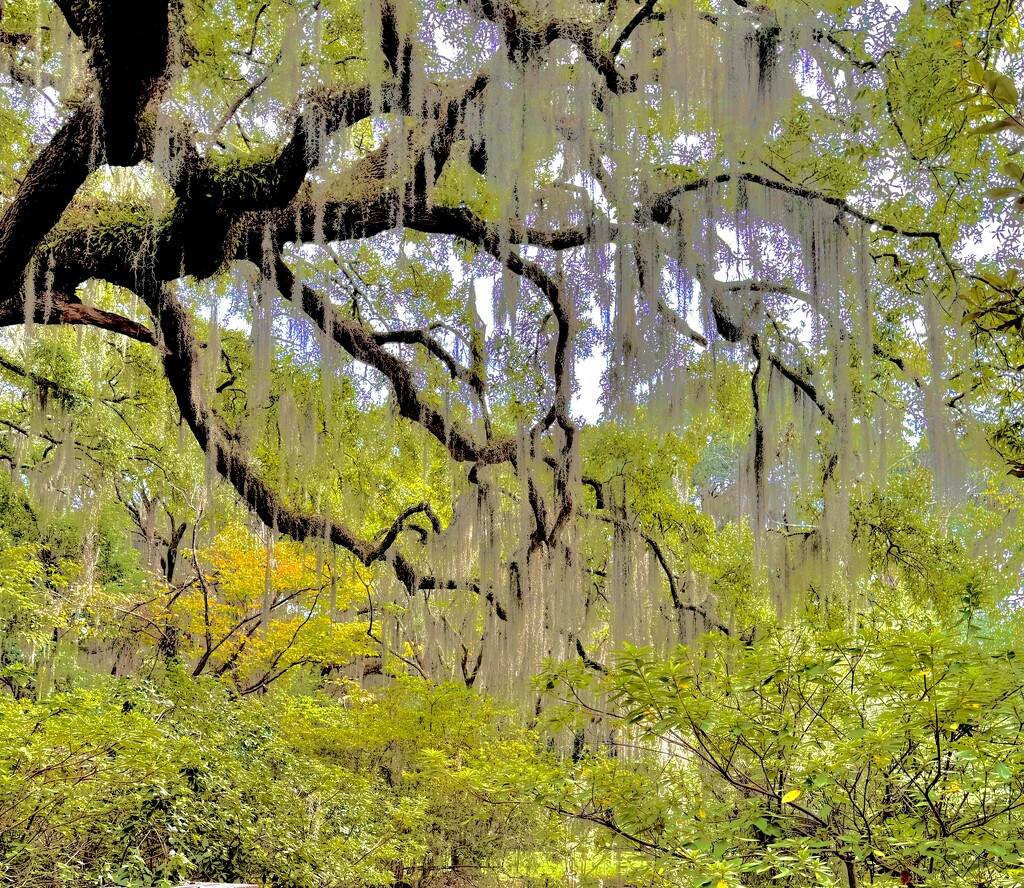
{"x": 912, "y": 554}
{"x": 185, "y": 695}
{"x": 429, "y": 742}
{"x": 133, "y": 784}
{"x": 887, "y": 754}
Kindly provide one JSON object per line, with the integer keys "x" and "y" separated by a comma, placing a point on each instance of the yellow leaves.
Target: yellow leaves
{"x": 238, "y": 559}
{"x": 340, "y": 642}
{"x": 237, "y": 563}
{"x": 792, "y": 796}
{"x": 223, "y": 618}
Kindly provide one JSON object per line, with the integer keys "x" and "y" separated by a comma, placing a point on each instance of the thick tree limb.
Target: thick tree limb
{"x": 524, "y": 39}
{"x": 56, "y": 308}
{"x": 48, "y": 187}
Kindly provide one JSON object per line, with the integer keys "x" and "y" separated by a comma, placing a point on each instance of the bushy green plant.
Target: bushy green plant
{"x": 890, "y": 754}
{"x": 132, "y": 784}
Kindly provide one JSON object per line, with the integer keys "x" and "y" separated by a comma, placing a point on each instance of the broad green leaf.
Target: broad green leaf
{"x": 1013, "y": 170}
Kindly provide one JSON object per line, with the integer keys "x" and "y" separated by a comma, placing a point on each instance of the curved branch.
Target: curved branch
{"x": 421, "y": 337}
{"x": 386, "y": 538}
{"x": 660, "y": 209}
{"x": 361, "y": 344}
{"x": 802, "y": 383}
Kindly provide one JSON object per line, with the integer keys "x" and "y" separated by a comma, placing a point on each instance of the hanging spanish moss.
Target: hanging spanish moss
{"x": 514, "y": 310}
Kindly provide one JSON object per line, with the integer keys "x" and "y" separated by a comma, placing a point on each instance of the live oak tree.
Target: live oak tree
{"x": 309, "y": 312}
{"x": 363, "y": 256}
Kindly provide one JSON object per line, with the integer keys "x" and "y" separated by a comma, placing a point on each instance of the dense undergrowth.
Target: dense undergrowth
{"x": 139, "y": 783}
{"x": 889, "y": 755}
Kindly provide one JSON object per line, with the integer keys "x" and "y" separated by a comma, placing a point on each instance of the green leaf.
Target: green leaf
{"x": 994, "y": 126}
{"x": 1004, "y": 90}
{"x": 1013, "y": 170}
{"x": 982, "y": 109}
